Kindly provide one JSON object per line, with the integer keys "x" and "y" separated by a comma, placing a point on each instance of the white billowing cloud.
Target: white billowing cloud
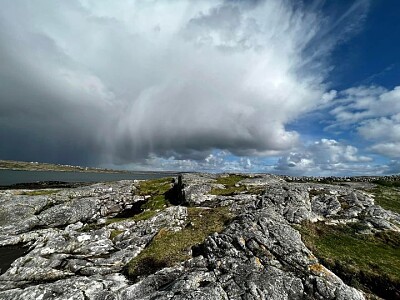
{"x": 130, "y": 80}
{"x": 381, "y": 128}
{"x": 391, "y": 149}
{"x": 375, "y": 113}
{"x": 218, "y": 161}
{"x": 324, "y": 157}
{"x": 361, "y": 103}
{"x": 385, "y": 133}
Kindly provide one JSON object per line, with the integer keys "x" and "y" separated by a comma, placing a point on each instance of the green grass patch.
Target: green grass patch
{"x": 229, "y": 191}
{"x": 255, "y": 190}
{"x": 230, "y": 183}
{"x": 387, "y": 183}
{"x": 156, "y": 189}
{"x": 370, "y": 262}
{"x": 155, "y": 202}
{"x": 230, "y": 180}
{"x": 115, "y": 233}
{"x": 38, "y": 192}
{"x": 144, "y": 215}
{"x": 387, "y": 197}
{"x": 169, "y": 248}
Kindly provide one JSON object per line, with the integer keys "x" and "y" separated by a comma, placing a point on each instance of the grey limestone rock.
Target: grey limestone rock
{"x": 259, "y": 255}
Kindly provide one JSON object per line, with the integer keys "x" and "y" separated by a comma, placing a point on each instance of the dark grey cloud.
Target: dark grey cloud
{"x": 94, "y": 82}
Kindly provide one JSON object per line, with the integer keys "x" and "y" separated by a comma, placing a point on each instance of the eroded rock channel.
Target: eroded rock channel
{"x": 201, "y": 237}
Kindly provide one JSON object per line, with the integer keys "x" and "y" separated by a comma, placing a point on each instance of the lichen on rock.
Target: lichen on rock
{"x": 233, "y": 237}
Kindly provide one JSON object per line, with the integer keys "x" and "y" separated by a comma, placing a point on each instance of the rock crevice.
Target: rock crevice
{"x": 79, "y": 250}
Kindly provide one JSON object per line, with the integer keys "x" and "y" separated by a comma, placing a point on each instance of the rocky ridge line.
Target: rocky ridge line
{"x": 259, "y": 255}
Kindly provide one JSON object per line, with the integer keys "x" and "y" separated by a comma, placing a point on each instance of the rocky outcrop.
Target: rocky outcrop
{"x": 77, "y": 251}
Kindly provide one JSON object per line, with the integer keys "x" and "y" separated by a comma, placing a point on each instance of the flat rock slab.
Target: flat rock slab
{"x": 259, "y": 255}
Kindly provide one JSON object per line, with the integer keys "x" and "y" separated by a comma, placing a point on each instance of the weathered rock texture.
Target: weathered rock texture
{"x": 259, "y": 255}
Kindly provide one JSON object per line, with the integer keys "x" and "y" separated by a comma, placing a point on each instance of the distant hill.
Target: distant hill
{"x": 36, "y": 166}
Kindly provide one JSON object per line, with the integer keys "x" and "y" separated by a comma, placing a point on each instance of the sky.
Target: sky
{"x": 277, "y": 86}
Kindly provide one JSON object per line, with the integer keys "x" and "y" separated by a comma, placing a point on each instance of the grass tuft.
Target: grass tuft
{"x": 169, "y": 248}
{"x": 230, "y": 182}
{"x": 38, "y": 192}
{"x": 360, "y": 260}
{"x": 156, "y": 189}
{"x": 115, "y": 233}
{"x": 231, "y": 179}
{"x": 388, "y": 197}
{"x": 387, "y": 183}
{"x": 229, "y": 191}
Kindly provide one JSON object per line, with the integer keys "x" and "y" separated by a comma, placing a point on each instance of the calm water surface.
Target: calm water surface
{"x": 8, "y": 177}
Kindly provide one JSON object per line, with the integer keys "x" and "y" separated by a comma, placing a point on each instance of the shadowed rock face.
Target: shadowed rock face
{"x": 76, "y": 252}
{"x": 10, "y": 253}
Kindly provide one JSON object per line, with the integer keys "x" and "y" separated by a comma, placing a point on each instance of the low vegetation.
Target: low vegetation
{"x": 228, "y": 191}
{"x": 115, "y": 233}
{"x": 231, "y": 179}
{"x": 169, "y": 248}
{"x": 38, "y": 192}
{"x": 156, "y": 189}
{"x": 315, "y": 192}
{"x": 388, "y": 196}
{"x": 387, "y": 183}
{"x": 231, "y": 185}
{"x": 367, "y": 261}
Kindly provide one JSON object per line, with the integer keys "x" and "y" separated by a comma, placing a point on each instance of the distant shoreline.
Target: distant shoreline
{"x": 48, "y": 179}
{"x": 36, "y": 166}
{"x": 105, "y": 171}
{"x": 67, "y": 170}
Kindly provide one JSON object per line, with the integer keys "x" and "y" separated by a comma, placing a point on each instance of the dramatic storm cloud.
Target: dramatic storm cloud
{"x": 181, "y": 84}
{"x": 135, "y": 78}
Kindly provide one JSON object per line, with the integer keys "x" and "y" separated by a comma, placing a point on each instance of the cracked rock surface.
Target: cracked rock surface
{"x": 75, "y": 253}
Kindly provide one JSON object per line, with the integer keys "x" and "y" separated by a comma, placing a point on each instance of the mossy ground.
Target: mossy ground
{"x": 115, "y": 233}
{"x": 38, "y": 192}
{"x": 370, "y": 262}
{"x": 230, "y": 183}
{"x": 314, "y": 192}
{"x": 387, "y": 183}
{"x": 156, "y": 189}
{"x": 387, "y": 196}
{"x": 231, "y": 179}
{"x": 168, "y": 248}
